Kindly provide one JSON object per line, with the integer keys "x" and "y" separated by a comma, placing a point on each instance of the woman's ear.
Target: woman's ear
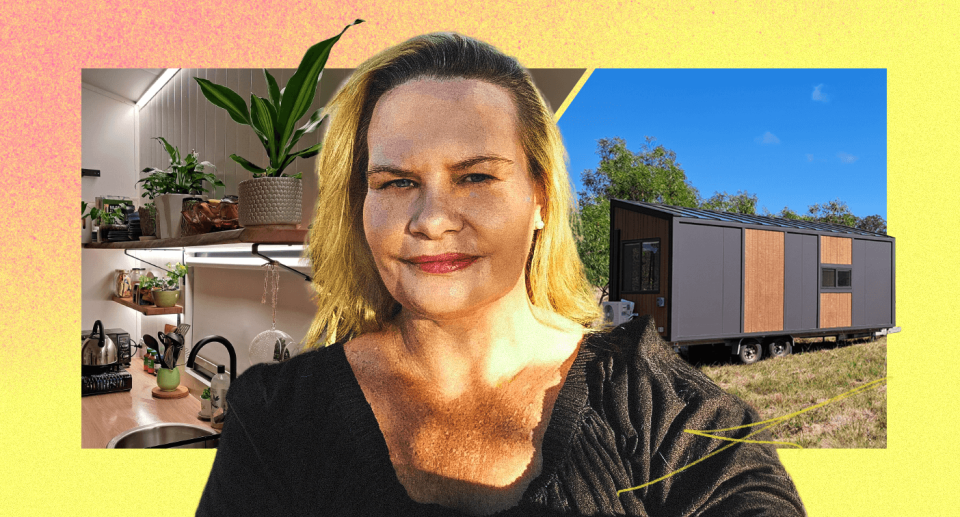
{"x": 538, "y": 218}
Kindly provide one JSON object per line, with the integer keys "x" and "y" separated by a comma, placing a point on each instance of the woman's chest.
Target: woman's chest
{"x": 477, "y": 454}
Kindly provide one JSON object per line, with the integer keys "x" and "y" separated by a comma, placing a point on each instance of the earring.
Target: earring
{"x": 539, "y": 224}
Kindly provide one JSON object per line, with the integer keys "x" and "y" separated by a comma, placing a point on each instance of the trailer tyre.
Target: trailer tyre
{"x": 780, "y": 347}
{"x": 750, "y": 352}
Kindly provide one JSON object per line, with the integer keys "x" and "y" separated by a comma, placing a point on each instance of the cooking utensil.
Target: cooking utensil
{"x": 98, "y": 352}
{"x": 151, "y": 343}
{"x": 182, "y": 329}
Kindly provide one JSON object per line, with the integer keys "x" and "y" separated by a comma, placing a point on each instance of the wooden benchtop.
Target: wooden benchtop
{"x": 105, "y": 416}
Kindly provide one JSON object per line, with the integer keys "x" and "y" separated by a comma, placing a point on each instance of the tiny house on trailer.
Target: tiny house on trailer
{"x": 750, "y": 282}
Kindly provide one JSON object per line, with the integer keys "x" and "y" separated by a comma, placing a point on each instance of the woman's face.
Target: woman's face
{"x": 450, "y": 208}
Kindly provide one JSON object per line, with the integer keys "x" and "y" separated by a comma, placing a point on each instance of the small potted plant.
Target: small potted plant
{"x": 146, "y": 286}
{"x": 107, "y": 219}
{"x": 86, "y": 224}
{"x": 167, "y": 290}
{"x": 274, "y": 197}
{"x": 205, "y": 409}
{"x": 167, "y": 188}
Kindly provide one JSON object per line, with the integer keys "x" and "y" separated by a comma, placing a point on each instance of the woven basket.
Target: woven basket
{"x": 270, "y": 201}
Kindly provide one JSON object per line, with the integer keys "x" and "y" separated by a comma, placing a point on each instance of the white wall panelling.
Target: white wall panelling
{"x": 108, "y": 144}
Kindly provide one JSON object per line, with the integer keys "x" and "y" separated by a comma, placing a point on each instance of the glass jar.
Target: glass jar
{"x": 123, "y": 287}
{"x": 135, "y": 275}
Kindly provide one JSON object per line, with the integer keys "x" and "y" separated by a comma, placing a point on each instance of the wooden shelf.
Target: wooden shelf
{"x": 252, "y": 235}
{"x": 149, "y": 310}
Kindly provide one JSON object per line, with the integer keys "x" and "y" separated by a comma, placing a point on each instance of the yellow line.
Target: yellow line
{"x": 770, "y": 423}
{"x": 573, "y": 93}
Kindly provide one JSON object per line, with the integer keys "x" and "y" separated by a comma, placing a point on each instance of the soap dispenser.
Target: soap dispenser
{"x": 218, "y": 396}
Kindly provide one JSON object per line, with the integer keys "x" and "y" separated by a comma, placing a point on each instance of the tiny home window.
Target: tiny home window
{"x": 640, "y": 270}
{"x": 832, "y": 278}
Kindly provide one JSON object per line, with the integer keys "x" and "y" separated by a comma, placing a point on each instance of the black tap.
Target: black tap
{"x": 215, "y": 339}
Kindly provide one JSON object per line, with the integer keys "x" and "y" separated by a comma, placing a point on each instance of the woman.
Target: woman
{"x": 472, "y": 382}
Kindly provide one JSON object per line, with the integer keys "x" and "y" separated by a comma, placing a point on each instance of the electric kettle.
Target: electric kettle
{"x": 99, "y": 352}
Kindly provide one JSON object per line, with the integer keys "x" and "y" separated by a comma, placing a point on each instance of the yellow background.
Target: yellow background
{"x": 43, "y": 46}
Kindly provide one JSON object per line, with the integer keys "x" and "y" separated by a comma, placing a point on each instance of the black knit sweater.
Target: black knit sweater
{"x": 301, "y": 439}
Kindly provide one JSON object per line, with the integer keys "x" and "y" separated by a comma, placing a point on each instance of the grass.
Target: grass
{"x": 780, "y": 386}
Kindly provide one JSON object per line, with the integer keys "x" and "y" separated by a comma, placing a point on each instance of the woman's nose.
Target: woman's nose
{"x": 436, "y": 213}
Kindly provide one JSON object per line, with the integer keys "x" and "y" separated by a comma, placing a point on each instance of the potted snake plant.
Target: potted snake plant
{"x": 274, "y": 196}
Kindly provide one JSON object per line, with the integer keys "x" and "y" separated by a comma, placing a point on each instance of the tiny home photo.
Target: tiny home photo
{"x": 745, "y": 211}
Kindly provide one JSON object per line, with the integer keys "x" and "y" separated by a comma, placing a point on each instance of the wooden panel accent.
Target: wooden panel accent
{"x": 835, "y": 310}
{"x": 762, "y": 281}
{"x": 634, "y": 226}
{"x": 836, "y": 250}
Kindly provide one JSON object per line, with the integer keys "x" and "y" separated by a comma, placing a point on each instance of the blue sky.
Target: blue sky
{"x": 793, "y": 137}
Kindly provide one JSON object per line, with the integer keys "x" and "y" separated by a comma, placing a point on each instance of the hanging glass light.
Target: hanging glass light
{"x": 272, "y": 345}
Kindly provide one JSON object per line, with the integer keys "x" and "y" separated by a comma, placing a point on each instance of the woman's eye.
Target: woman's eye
{"x": 400, "y": 183}
{"x": 477, "y": 178}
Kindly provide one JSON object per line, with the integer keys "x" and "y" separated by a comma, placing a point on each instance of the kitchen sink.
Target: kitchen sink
{"x": 164, "y": 435}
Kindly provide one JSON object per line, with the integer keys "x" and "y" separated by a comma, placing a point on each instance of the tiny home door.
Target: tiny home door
{"x": 640, "y": 249}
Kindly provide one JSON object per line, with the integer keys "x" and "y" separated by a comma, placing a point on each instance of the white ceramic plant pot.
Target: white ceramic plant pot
{"x": 86, "y": 230}
{"x": 270, "y": 201}
{"x": 168, "y": 214}
{"x": 205, "y": 408}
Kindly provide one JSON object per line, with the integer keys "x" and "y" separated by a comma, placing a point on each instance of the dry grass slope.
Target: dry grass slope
{"x": 777, "y": 387}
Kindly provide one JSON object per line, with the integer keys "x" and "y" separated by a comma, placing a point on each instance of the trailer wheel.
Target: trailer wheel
{"x": 750, "y": 352}
{"x": 781, "y": 347}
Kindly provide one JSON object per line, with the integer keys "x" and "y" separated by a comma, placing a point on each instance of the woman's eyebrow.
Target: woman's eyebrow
{"x": 459, "y": 166}
{"x": 470, "y": 162}
{"x": 386, "y": 169}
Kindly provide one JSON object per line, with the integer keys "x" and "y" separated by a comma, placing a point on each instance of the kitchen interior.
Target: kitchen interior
{"x": 148, "y": 369}
{"x": 229, "y": 290}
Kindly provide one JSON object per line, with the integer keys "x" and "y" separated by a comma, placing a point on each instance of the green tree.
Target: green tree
{"x": 872, "y": 223}
{"x": 786, "y": 213}
{"x": 593, "y": 241}
{"x": 651, "y": 175}
{"x": 832, "y": 212}
{"x": 742, "y": 202}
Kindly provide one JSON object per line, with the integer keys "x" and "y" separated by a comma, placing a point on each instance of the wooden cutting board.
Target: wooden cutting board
{"x": 178, "y": 393}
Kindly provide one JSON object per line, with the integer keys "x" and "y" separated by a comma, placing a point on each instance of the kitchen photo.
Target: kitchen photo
{"x": 184, "y": 288}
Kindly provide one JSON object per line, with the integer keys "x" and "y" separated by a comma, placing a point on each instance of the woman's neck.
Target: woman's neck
{"x": 484, "y": 349}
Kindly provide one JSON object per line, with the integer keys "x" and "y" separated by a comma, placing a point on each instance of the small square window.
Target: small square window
{"x": 843, "y": 278}
{"x": 641, "y": 267}
{"x": 828, "y": 278}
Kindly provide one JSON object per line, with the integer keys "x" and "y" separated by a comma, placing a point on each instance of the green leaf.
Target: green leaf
{"x": 274, "y": 89}
{"x": 171, "y": 150}
{"x": 263, "y": 122}
{"x": 225, "y": 98}
{"x": 309, "y": 152}
{"x": 309, "y": 127}
{"x": 247, "y": 165}
{"x": 302, "y": 87}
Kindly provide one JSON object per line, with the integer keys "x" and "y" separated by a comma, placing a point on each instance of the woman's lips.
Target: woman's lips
{"x": 446, "y": 263}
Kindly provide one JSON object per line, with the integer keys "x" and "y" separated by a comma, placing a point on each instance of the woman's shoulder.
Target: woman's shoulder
{"x": 633, "y": 356}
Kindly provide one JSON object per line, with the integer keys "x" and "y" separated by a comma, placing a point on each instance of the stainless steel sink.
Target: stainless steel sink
{"x": 163, "y": 434}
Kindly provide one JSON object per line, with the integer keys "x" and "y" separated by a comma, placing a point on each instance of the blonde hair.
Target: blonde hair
{"x": 350, "y": 295}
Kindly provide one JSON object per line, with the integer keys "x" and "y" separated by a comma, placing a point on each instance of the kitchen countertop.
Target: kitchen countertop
{"x": 105, "y": 416}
